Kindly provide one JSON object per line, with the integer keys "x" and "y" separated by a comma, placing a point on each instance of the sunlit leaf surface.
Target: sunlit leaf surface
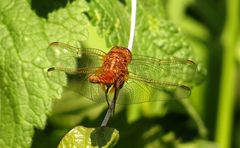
{"x": 82, "y": 137}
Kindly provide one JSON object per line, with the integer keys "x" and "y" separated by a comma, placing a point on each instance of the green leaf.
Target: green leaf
{"x": 157, "y": 36}
{"x": 112, "y": 21}
{"x": 25, "y": 92}
{"x": 82, "y": 137}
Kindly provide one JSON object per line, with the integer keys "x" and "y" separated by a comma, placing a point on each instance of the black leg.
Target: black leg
{"x": 116, "y": 91}
{"x": 111, "y": 109}
{"x": 106, "y": 95}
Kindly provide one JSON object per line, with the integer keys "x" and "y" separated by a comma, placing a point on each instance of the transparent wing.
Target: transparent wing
{"x": 152, "y": 79}
{"x": 79, "y": 62}
{"x": 140, "y": 90}
{"x": 94, "y": 92}
{"x": 64, "y": 55}
{"x": 81, "y": 85}
{"x": 134, "y": 91}
{"x": 177, "y": 71}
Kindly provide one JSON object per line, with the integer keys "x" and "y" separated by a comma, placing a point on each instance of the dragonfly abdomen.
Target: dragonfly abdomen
{"x": 103, "y": 78}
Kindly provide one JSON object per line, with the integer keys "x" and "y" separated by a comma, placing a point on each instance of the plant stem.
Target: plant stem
{"x": 202, "y": 130}
{"x": 228, "y": 78}
{"x": 108, "y": 114}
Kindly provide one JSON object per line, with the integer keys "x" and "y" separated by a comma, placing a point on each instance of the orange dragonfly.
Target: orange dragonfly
{"x": 119, "y": 74}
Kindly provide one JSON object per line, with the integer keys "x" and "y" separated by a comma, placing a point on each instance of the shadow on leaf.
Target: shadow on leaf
{"x": 101, "y": 136}
{"x": 43, "y": 7}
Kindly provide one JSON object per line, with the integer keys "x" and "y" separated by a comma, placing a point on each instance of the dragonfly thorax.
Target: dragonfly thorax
{"x": 114, "y": 68}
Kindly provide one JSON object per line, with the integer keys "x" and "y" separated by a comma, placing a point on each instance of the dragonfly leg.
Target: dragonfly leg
{"x": 63, "y": 69}
{"x": 106, "y": 95}
{"x": 117, "y": 87}
{"x": 81, "y": 70}
{"x": 115, "y": 100}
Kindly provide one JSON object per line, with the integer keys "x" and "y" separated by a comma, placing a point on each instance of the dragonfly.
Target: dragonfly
{"x": 122, "y": 76}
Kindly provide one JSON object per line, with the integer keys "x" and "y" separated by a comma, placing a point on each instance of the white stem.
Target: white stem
{"x": 133, "y": 22}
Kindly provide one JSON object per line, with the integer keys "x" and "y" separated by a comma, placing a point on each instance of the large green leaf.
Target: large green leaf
{"x": 155, "y": 35}
{"x": 25, "y": 92}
